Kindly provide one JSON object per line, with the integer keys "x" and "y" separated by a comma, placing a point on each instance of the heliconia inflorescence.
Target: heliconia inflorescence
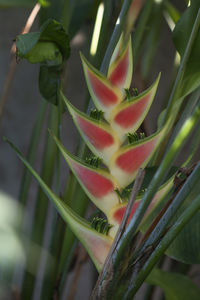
{"x": 106, "y": 137}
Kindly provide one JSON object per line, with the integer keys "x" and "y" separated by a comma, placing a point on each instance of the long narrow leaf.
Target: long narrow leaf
{"x": 97, "y": 244}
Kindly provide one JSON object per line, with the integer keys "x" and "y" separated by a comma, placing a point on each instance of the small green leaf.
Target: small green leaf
{"x": 175, "y": 286}
{"x": 50, "y": 48}
{"x": 49, "y": 82}
{"x": 25, "y": 42}
{"x": 51, "y": 31}
{"x": 44, "y": 52}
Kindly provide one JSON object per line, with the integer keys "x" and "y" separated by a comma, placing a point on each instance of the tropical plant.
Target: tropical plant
{"x": 146, "y": 206}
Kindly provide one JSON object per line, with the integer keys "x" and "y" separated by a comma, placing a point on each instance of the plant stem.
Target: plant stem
{"x": 151, "y": 42}
{"x": 98, "y": 291}
{"x": 162, "y": 247}
{"x": 42, "y": 201}
{"x": 176, "y": 87}
{"x": 55, "y": 245}
{"x": 115, "y": 35}
{"x": 159, "y": 177}
{"x": 189, "y": 185}
{"x": 129, "y": 235}
{"x": 140, "y": 29}
{"x": 80, "y": 205}
{"x": 12, "y": 67}
{"x": 176, "y": 99}
{"x": 26, "y": 179}
{"x": 77, "y": 272}
{"x": 67, "y": 12}
{"x": 190, "y": 105}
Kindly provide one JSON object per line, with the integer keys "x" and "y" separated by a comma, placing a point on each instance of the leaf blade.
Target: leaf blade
{"x": 97, "y": 244}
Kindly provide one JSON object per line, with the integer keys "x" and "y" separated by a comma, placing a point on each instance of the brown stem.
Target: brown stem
{"x": 13, "y": 63}
{"x": 77, "y": 271}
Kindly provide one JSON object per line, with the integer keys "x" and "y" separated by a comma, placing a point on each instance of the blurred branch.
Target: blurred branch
{"x": 82, "y": 256}
{"x": 13, "y": 62}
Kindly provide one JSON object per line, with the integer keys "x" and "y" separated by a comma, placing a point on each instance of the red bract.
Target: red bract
{"x": 128, "y": 116}
{"x": 99, "y": 136}
{"x": 106, "y": 138}
{"x": 120, "y": 71}
{"x": 104, "y": 94}
{"x": 126, "y": 162}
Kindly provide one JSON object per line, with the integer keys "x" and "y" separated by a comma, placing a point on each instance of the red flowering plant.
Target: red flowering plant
{"x": 110, "y": 134}
{"x": 118, "y": 150}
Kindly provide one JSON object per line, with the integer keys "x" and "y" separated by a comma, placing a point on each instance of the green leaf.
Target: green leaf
{"x": 181, "y": 35}
{"x": 49, "y": 83}
{"x": 175, "y": 286}
{"x": 45, "y": 52}
{"x": 172, "y": 11}
{"x": 25, "y": 42}
{"x": 50, "y": 48}
{"x": 186, "y": 246}
{"x": 51, "y": 31}
{"x": 96, "y": 244}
